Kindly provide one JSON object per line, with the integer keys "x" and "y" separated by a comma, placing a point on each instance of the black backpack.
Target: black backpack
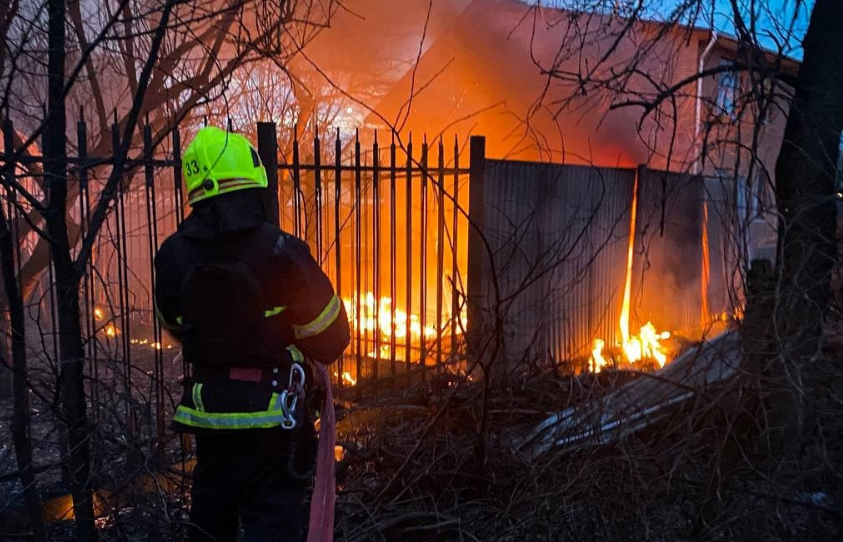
{"x": 222, "y": 311}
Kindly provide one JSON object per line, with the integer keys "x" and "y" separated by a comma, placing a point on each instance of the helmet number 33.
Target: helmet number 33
{"x": 193, "y": 168}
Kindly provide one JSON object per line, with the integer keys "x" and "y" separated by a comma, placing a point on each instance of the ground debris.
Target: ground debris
{"x": 425, "y": 472}
{"x": 419, "y": 468}
{"x": 640, "y": 403}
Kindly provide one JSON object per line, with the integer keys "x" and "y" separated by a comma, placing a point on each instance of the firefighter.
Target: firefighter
{"x": 248, "y": 303}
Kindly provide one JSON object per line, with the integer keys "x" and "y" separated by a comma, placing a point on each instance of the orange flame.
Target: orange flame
{"x": 647, "y": 344}
{"x": 347, "y": 378}
{"x": 339, "y": 453}
{"x": 597, "y": 361}
{"x": 627, "y": 287}
{"x": 376, "y": 317}
{"x": 151, "y": 345}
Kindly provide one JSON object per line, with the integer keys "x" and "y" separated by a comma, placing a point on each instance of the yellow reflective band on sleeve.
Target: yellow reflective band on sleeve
{"x": 321, "y": 322}
{"x": 263, "y": 419}
{"x": 197, "y": 397}
{"x": 179, "y": 320}
{"x": 298, "y": 357}
{"x": 269, "y": 313}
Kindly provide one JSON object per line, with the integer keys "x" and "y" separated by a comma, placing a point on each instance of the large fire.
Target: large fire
{"x": 379, "y": 322}
{"x": 377, "y": 315}
{"x": 645, "y": 345}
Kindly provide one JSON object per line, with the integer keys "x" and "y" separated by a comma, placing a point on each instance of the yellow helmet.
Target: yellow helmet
{"x": 218, "y": 162}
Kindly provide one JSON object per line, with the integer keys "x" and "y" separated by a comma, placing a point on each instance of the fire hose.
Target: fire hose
{"x": 321, "y": 526}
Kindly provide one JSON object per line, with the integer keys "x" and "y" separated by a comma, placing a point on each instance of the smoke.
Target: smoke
{"x": 479, "y": 71}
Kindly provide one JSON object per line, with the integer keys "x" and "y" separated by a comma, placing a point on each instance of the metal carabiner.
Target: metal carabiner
{"x": 293, "y": 386}
{"x": 290, "y": 396}
{"x": 288, "y": 409}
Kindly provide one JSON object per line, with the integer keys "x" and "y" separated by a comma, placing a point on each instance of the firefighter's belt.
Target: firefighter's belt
{"x": 277, "y": 413}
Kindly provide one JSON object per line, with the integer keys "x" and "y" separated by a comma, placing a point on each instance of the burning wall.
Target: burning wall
{"x": 584, "y": 269}
{"x": 559, "y": 236}
{"x": 668, "y": 268}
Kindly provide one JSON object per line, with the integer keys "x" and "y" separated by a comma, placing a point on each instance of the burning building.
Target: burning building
{"x": 563, "y": 243}
{"x": 514, "y": 73}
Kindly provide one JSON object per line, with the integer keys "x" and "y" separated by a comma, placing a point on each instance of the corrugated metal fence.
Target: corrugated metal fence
{"x": 548, "y": 256}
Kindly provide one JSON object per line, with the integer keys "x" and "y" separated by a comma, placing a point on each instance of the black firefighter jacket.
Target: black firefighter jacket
{"x": 303, "y": 315}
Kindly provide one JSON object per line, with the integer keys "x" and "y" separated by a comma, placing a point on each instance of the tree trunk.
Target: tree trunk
{"x": 20, "y": 409}
{"x": 782, "y": 334}
{"x": 805, "y": 185}
{"x": 5, "y": 370}
{"x": 71, "y": 351}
